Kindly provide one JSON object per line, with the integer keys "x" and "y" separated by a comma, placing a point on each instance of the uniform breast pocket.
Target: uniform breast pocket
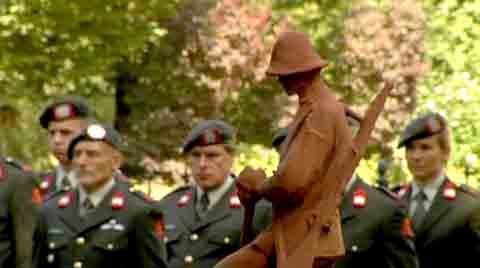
{"x": 111, "y": 241}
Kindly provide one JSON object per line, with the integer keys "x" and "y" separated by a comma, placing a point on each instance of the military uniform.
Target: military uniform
{"x": 17, "y": 216}
{"x": 194, "y": 242}
{"x": 449, "y": 234}
{"x": 443, "y": 214}
{"x": 375, "y": 230}
{"x": 121, "y": 232}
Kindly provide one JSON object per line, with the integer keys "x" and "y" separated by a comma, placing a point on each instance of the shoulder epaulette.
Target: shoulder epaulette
{"x": 387, "y": 192}
{"x": 141, "y": 195}
{"x": 52, "y": 195}
{"x": 469, "y": 190}
{"x": 178, "y": 190}
{"x": 17, "y": 164}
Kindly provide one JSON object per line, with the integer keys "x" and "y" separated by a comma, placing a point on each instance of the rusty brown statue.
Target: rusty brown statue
{"x": 317, "y": 159}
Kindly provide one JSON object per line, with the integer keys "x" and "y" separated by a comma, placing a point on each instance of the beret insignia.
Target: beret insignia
{"x": 63, "y": 111}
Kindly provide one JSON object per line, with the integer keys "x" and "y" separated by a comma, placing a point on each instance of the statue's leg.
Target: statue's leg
{"x": 257, "y": 254}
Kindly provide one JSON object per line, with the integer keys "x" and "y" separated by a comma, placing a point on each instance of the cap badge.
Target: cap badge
{"x": 433, "y": 126}
{"x": 63, "y": 111}
{"x": 96, "y": 132}
{"x": 359, "y": 198}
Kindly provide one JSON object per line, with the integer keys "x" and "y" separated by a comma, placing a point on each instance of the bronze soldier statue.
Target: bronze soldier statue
{"x": 317, "y": 159}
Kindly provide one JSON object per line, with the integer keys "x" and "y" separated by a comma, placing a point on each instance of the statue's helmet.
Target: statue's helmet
{"x": 293, "y": 53}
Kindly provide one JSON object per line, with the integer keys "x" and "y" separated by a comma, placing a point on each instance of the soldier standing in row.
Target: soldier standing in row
{"x": 101, "y": 223}
{"x": 445, "y": 216}
{"x": 18, "y": 195}
{"x": 203, "y": 220}
{"x": 64, "y": 119}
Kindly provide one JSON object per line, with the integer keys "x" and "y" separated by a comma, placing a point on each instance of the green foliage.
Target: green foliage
{"x": 157, "y": 67}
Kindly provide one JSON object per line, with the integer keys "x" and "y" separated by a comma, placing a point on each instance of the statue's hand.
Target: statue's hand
{"x": 248, "y": 185}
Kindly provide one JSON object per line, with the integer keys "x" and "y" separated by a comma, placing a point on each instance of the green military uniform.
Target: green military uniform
{"x": 17, "y": 217}
{"x": 375, "y": 230}
{"x": 446, "y": 234}
{"x": 122, "y": 232}
{"x": 195, "y": 242}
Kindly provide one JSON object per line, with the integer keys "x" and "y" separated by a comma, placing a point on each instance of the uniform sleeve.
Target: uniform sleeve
{"x": 40, "y": 241}
{"x": 149, "y": 247}
{"x": 23, "y": 212}
{"x": 306, "y": 160}
{"x": 474, "y": 227}
{"x": 399, "y": 250}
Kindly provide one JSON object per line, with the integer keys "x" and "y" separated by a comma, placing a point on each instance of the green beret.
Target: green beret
{"x": 63, "y": 108}
{"x": 422, "y": 127}
{"x": 209, "y": 132}
{"x": 97, "y": 132}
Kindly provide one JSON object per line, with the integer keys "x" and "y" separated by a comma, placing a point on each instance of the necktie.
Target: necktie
{"x": 204, "y": 202}
{"x": 66, "y": 185}
{"x": 420, "y": 211}
{"x": 87, "y": 207}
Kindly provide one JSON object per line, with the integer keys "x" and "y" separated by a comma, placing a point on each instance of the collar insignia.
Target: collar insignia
{"x": 449, "y": 191}
{"x": 359, "y": 198}
{"x": 118, "y": 201}
{"x": 65, "y": 200}
{"x": 235, "y": 201}
{"x": 183, "y": 201}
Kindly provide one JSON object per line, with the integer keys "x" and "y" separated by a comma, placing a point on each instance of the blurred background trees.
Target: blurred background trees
{"x": 155, "y": 68}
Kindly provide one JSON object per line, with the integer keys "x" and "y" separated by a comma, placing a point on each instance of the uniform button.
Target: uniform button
{"x": 165, "y": 239}
{"x": 188, "y": 259}
{"x": 77, "y": 264}
{"x": 194, "y": 237}
{"x": 354, "y": 248}
{"x": 51, "y": 245}
{"x": 110, "y": 246}
{"x": 80, "y": 241}
{"x": 50, "y": 258}
{"x": 226, "y": 240}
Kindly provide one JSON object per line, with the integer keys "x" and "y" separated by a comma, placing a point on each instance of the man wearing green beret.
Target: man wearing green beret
{"x": 64, "y": 118}
{"x": 204, "y": 219}
{"x": 101, "y": 223}
{"x": 443, "y": 213}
